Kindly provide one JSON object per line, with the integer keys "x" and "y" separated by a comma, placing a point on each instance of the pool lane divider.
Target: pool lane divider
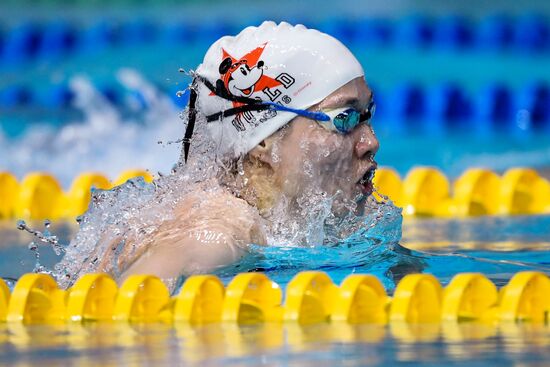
{"x": 427, "y": 192}
{"x": 252, "y": 298}
{"x": 445, "y": 106}
{"x": 424, "y": 192}
{"x": 52, "y": 39}
{"x": 40, "y": 196}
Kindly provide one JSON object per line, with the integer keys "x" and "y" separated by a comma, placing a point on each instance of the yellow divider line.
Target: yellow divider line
{"x": 252, "y": 298}
{"x": 424, "y": 192}
{"x": 40, "y": 196}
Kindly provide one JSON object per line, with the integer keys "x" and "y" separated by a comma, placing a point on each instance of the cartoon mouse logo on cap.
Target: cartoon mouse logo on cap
{"x": 242, "y": 77}
{"x": 239, "y": 78}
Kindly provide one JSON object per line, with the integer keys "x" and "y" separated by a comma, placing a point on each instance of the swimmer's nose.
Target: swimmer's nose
{"x": 366, "y": 142}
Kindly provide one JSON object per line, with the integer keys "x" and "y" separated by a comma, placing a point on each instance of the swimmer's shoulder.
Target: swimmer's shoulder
{"x": 219, "y": 210}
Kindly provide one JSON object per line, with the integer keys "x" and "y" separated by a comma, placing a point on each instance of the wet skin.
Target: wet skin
{"x": 211, "y": 230}
{"x": 310, "y": 158}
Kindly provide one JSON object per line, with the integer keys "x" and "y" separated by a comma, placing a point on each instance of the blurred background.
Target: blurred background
{"x": 92, "y": 84}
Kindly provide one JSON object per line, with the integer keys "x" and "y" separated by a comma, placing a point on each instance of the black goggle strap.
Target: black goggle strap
{"x": 219, "y": 90}
{"x": 237, "y": 110}
{"x": 250, "y": 104}
{"x": 190, "y": 122}
{"x": 262, "y": 105}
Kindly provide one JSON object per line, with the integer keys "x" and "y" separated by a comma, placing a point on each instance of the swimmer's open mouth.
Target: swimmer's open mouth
{"x": 365, "y": 182}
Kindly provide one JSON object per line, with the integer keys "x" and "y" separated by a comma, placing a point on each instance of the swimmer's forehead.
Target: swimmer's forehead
{"x": 356, "y": 94}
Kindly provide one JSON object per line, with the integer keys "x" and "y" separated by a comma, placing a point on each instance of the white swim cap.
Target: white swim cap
{"x": 291, "y": 66}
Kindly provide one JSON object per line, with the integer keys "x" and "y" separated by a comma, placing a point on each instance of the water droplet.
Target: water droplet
{"x": 47, "y": 223}
{"x": 181, "y": 70}
{"x": 180, "y": 93}
{"x": 21, "y": 225}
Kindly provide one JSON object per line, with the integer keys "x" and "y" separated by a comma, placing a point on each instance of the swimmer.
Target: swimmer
{"x": 288, "y": 111}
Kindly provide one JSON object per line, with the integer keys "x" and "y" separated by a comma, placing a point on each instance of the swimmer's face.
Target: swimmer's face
{"x": 310, "y": 157}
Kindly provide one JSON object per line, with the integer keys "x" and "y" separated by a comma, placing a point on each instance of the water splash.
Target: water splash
{"x": 44, "y": 238}
{"x": 120, "y": 223}
{"x": 372, "y": 248}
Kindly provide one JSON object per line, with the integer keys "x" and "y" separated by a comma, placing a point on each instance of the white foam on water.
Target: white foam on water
{"x": 104, "y": 140}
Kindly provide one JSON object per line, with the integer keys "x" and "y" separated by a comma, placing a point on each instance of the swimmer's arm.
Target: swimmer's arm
{"x": 208, "y": 231}
{"x": 197, "y": 251}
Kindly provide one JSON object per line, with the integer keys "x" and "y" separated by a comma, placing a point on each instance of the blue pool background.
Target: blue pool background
{"x": 92, "y": 86}
{"x": 457, "y": 85}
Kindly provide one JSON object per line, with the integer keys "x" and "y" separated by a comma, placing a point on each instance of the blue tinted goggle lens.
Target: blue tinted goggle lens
{"x": 348, "y": 119}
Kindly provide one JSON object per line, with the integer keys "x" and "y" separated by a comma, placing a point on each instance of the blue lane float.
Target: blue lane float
{"x": 494, "y": 106}
{"x": 406, "y": 106}
{"x": 495, "y": 32}
{"x": 453, "y": 32}
{"x": 29, "y": 40}
{"x": 57, "y": 96}
{"x": 21, "y": 43}
{"x": 532, "y": 33}
{"x": 534, "y": 100}
{"x": 112, "y": 93}
{"x": 58, "y": 38}
{"x": 15, "y": 96}
{"x": 448, "y": 102}
{"x": 408, "y": 102}
{"x": 414, "y": 31}
{"x": 100, "y": 35}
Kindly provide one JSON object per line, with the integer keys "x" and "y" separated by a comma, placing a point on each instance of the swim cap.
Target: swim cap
{"x": 291, "y": 66}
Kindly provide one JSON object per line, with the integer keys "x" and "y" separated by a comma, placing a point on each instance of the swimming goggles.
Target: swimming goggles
{"x": 342, "y": 120}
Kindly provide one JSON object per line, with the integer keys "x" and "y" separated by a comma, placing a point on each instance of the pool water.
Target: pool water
{"x": 120, "y": 107}
{"x": 496, "y": 246}
{"x": 275, "y": 345}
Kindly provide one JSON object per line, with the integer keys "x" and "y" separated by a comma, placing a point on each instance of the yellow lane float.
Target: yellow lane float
{"x": 9, "y": 193}
{"x": 253, "y": 298}
{"x": 133, "y": 173}
{"x": 78, "y": 197}
{"x": 425, "y": 192}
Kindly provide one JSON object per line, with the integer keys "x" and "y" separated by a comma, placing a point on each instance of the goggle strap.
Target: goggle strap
{"x": 250, "y": 104}
{"x": 319, "y": 116}
{"x": 236, "y": 110}
{"x": 190, "y": 122}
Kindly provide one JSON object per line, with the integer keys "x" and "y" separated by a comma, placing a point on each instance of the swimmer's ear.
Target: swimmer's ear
{"x": 262, "y": 152}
